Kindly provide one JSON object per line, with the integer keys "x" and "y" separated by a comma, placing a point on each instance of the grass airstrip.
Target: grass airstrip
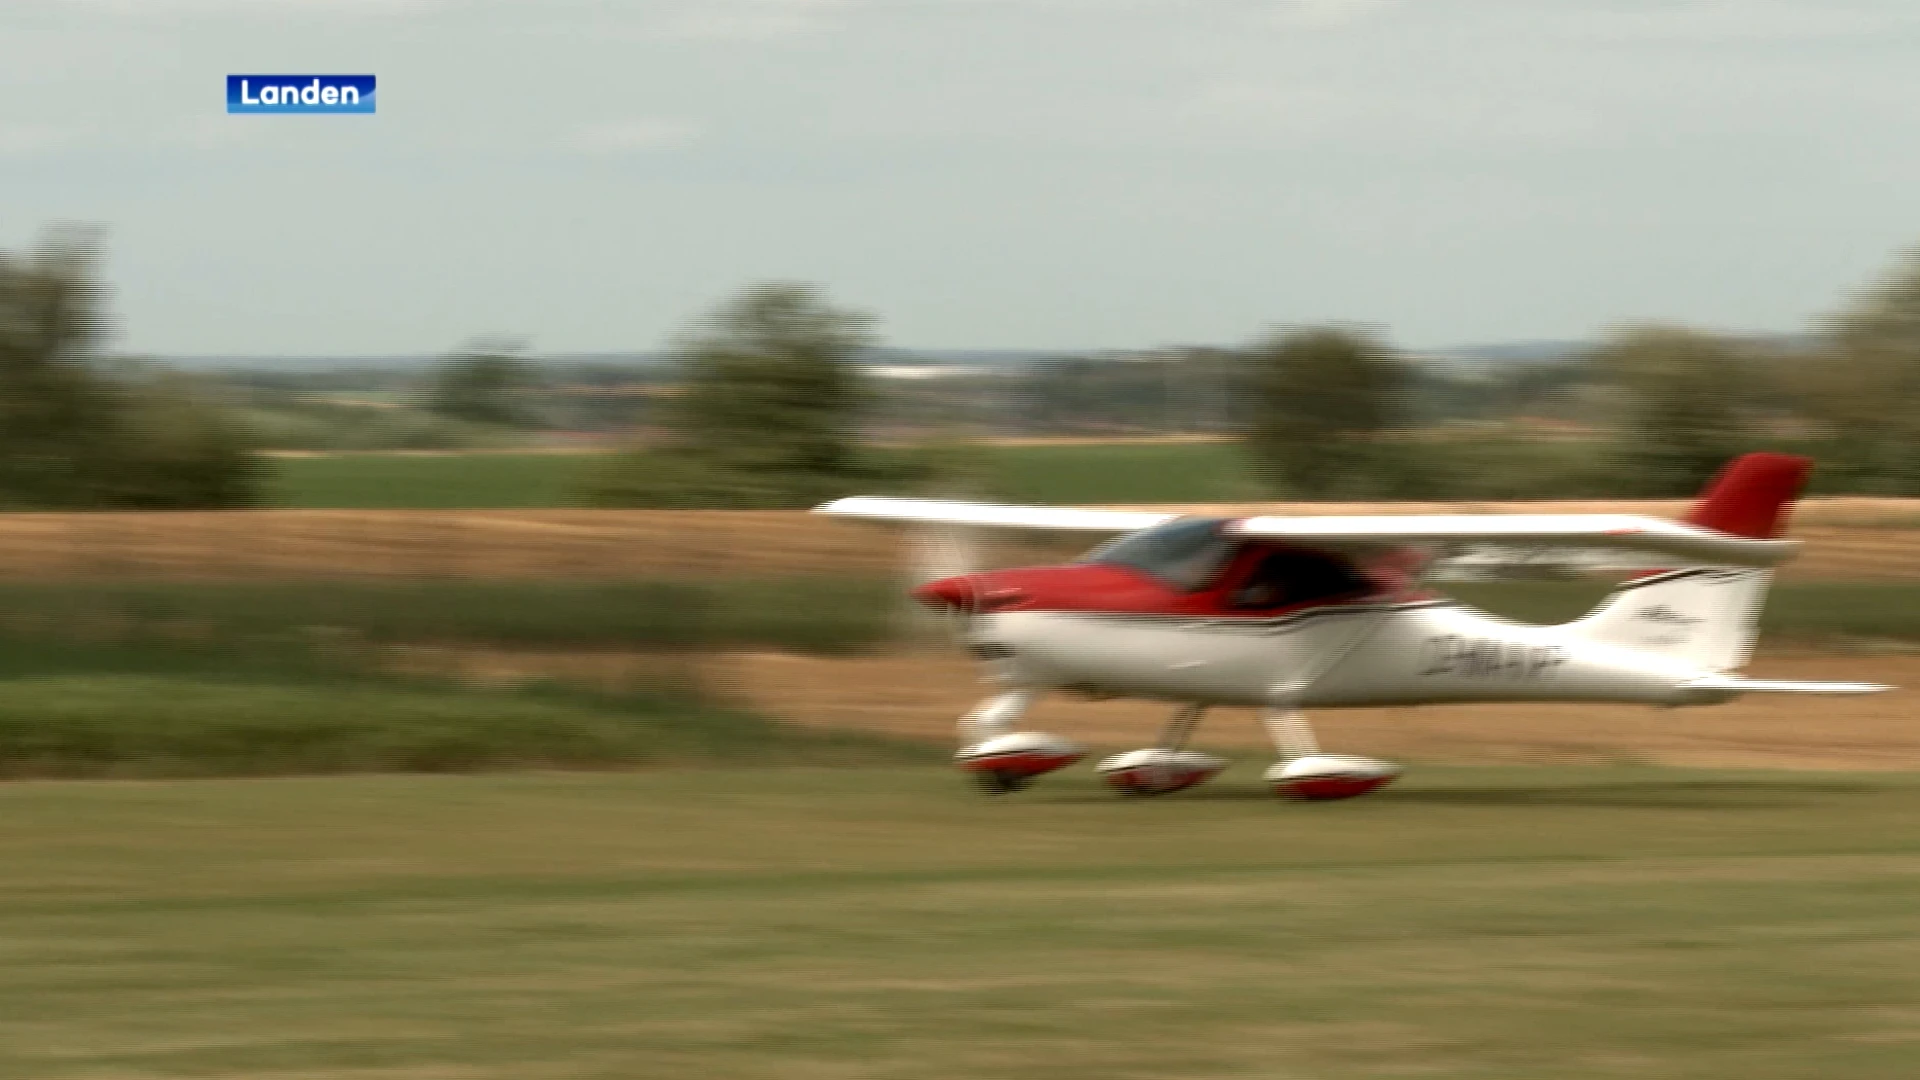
{"x": 884, "y": 922}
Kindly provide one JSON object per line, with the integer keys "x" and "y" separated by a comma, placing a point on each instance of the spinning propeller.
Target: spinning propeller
{"x": 945, "y": 553}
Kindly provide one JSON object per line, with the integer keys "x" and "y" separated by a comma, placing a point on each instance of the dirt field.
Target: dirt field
{"x": 1846, "y": 539}
{"x": 921, "y": 695}
{"x": 500, "y": 544}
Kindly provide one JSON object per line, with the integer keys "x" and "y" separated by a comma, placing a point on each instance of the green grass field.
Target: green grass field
{"x": 427, "y": 482}
{"x": 1057, "y": 473}
{"x": 119, "y": 726}
{"x": 888, "y": 924}
{"x": 1118, "y": 473}
{"x": 818, "y": 615}
{"x": 802, "y": 614}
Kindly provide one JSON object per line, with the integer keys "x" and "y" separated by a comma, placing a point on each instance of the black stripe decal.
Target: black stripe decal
{"x": 1274, "y": 625}
{"x": 1716, "y": 574}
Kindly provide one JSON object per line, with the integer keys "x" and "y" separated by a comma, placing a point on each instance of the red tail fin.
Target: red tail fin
{"x": 1751, "y": 495}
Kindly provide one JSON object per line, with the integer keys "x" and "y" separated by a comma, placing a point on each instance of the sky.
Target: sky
{"x": 1047, "y": 174}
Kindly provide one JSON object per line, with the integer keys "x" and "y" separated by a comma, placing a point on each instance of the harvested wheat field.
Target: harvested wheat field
{"x": 498, "y": 544}
{"x": 1846, "y": 539}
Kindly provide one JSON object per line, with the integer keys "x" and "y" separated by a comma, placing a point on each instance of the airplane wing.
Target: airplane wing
{"x": 943, "y": 512}
{"x": 1359, "y": 533}
{"x": 1628, "y": 532}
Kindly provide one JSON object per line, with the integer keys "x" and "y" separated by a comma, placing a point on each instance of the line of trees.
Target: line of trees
{"x": 773, "y": 405}
{"x": 775, "y": 398}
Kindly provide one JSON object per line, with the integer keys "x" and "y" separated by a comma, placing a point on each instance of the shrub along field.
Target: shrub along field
{"x": 177, "y": 679}
{"x": 260, "y": 678}
{"x": 1591, "y": 923}
{"x": 144, "y": 707}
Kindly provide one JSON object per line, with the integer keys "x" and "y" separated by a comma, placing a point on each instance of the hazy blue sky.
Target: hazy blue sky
{"x": 1048, "y": 173}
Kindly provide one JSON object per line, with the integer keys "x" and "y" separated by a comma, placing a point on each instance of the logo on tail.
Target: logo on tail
{"x": 1708, "y": 616}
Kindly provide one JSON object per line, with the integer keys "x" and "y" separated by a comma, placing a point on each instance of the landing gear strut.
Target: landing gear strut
{"x": 1002, "y": 761}
{"x": 1303, "y": 772}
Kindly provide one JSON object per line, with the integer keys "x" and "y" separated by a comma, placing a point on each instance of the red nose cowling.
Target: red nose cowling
{"x": 950, "y": 592}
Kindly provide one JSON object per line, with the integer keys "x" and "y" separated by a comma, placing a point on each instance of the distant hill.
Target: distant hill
{"x": 1464, "y": 357}
{"x": 969, "y": 358}
{"x": 304, "y": 364}
{"x": 1523, "y": 352}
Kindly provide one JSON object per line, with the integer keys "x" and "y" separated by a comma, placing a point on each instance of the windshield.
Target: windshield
{"x": 1185, "y": 554}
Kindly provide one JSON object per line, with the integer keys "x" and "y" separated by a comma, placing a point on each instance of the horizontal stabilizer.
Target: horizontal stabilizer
{"x": 1735, "y": 684}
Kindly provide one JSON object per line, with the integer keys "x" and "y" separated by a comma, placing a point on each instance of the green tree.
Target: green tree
{"x": 172, "y": 448}
{"x": 1325, "y": 402}
{"x": 51, "y": 406}
{"x": 1681, "y": 396}
{"x": 485, "y": 382}
{"x": 75, "y": 434}
{"x": 767, "y": 414}
{"x": 1862, "y": 391}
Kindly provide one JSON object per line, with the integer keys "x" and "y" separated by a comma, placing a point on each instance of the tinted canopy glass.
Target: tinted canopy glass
{"x": 1185, "y": 554}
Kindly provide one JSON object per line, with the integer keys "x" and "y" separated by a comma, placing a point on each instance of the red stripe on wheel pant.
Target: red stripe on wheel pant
{"x": 1331, "y": 787}
{"x": 1019, "y": 762}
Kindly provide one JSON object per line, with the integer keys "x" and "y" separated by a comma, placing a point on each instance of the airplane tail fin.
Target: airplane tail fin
{"x": 1752, "y": 495}
{"x": 1708, "y": 616}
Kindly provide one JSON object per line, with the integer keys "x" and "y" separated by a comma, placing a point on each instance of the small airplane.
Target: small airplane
{"x": 1287, "y": 614}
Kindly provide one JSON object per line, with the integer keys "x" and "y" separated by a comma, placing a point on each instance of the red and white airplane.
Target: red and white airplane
{"x": 1287, "y": 614}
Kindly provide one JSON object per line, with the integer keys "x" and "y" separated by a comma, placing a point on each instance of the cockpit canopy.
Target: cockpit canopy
{"x": 1186, "y": 554}
{"x": 1191, "y": 554}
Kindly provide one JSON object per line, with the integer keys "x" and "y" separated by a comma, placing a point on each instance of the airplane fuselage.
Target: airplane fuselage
{"x": 1342, "y": 655}
{"x": 1288, "y": 614}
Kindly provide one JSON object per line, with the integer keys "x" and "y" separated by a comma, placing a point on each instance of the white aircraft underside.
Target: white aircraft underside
{"x": 1404, "y": 654}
